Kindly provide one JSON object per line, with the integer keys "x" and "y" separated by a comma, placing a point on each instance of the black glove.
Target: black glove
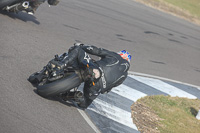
{"x": 53, "y": 2}
{"x": 59, "y": 64}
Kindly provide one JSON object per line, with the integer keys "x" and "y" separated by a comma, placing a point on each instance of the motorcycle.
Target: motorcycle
{"x": 54, "y": 81}
{"x": 14, "y": 5}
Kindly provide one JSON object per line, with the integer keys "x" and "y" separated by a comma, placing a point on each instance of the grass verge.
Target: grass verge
{"x": 187, "y": 9}
{"x": 165, "y": 114}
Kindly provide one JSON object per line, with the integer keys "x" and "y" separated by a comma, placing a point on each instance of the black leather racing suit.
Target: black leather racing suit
{"x": 112, "y": 66}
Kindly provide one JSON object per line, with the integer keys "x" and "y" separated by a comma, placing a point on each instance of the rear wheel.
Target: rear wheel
{"x": 59, "y": 86}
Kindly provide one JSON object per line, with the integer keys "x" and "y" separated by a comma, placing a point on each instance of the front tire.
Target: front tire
{"x": 59, "y": 86}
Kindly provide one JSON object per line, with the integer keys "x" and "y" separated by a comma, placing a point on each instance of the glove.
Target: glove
{"x": 78, "y": 44}
{"x": 59, "y": 64}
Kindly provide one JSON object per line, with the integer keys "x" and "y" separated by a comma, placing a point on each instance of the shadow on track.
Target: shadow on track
{"x": 21, "y": 16}
{"x": 59, "y": 99}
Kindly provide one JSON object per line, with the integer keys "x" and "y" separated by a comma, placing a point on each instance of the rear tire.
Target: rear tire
{"x": 59, "y": 86}
{"x": 4, "y": 3}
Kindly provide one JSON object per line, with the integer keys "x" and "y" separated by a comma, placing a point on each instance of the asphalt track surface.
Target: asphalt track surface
{"x": 161, "y": 45}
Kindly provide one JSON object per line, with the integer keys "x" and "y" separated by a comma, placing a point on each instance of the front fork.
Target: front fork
{"x": 18, "y": 7}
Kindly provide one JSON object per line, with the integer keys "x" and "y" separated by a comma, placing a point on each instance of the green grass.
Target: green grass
{"x": 178, "y": 114}
{"x": 192, "y": 6}
{"x": 187, "y": 9}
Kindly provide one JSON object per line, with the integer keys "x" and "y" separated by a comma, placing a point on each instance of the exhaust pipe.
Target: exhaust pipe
{"x": 25, "y": 4}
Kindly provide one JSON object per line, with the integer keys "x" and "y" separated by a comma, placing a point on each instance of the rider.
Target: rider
{"x": 102, "y": 75}
{"x": 36, "y": 3}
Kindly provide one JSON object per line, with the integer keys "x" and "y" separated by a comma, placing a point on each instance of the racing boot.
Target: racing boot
{"x": 75, "y": 98}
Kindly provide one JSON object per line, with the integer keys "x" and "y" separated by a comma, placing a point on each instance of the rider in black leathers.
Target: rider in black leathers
{"x": 112, "y": 70}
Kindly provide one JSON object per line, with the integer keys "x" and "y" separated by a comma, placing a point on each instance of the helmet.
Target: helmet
{"x": 125, "y": 55}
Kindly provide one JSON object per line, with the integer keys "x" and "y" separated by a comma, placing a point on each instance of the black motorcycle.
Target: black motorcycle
{"x": 21, "y": 5}
{"x": 54, "y": 81}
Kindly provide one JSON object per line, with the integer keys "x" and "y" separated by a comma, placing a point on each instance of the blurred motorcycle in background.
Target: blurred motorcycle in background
{"x": 28, "y": 6}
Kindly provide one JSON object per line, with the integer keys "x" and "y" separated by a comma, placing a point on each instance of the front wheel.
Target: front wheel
{"x": 59, "y": 86}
